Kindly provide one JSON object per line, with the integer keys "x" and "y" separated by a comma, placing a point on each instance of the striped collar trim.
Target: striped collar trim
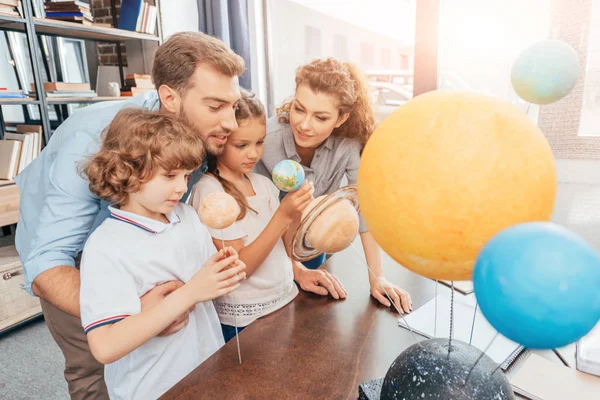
{"x": 147, "y": 224}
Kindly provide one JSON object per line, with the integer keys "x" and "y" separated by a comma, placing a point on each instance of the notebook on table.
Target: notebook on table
{"x": 539, "y": 378}
{"x": 422, "y": 320}
{"x": 462, "y": 287}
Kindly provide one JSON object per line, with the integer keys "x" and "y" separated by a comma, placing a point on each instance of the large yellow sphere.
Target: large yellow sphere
{"x": 446, "y": 172}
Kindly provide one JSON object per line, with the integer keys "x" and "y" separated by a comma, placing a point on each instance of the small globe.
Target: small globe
{"x": 288, "y": 175}
{"x": 427, "y": 371}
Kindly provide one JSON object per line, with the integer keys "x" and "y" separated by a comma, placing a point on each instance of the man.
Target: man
{"x": 197, "y": 79}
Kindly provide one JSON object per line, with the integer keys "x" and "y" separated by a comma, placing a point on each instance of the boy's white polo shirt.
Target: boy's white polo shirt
{"x": 122, "y": 260}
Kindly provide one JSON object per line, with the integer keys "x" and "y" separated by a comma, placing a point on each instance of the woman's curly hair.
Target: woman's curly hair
{"x": 135, "y": 146}
{"x": 344, "y": 80}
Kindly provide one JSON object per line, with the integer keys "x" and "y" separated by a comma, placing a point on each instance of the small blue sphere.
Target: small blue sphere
{"x": 538, "y": 284}
{"x": 288, "y": 175}
{"x": 545, "y": 72}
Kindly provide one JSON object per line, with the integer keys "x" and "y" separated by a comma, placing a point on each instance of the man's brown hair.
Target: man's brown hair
{"x": 135, "y": 145}
{"x": 176, "y": 60}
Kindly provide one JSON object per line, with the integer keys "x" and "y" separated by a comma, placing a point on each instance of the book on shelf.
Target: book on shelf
{"x": 137, "y": 84}
{"x": 73, "y": 11}
{"x": 10, "y": 151}
{"x": 6, "y": 94}
{"x": 54, "y": 86}
{"x": 12, "y": 8}
{"x": 51, "y": 94}
{"x": 19, "y": 149}
{"x": 138, "y": 16}
{"x": 142, "y": 81}
{"x": 133, "y": 91}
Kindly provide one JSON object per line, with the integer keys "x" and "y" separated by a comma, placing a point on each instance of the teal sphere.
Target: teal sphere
{"x": 545, "y": 72}
{"x": 288, "y": 175}
{"x": 538, "y": 284}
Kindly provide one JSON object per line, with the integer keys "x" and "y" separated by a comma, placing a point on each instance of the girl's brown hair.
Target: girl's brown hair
{"x": 344, "y": 80}
{"x": 249, "y": 109}
{"x": 135, "y": 145}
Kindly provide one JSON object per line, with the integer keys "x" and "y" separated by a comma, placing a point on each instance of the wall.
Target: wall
{"x": 179, "y": 16}
{"x": 107, "y": 52}
{"x": 289, "y": 23}
{"x": 578, "y": 198}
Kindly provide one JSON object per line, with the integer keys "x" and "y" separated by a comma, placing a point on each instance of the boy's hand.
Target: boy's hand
{"x": 218, "y": 277}
{"x": 295, "y": 202}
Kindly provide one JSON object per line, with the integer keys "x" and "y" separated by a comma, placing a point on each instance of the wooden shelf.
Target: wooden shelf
{"x": 7, "y": 19}
{"x": 79, "y": 31}
{"x": 70, "y": 100}
{"x": 18, "y": 101}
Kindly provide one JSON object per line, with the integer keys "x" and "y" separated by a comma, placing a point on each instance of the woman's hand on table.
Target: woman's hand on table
{"x": 400, "y": 296}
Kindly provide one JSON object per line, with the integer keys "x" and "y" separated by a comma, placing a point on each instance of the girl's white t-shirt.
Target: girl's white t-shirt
{"x": 272, "y": 285}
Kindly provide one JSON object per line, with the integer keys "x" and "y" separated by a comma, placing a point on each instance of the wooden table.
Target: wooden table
{"x": 315, "y": 347}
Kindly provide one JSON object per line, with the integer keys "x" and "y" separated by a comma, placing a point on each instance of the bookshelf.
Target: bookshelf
{"x": 33, "y": 26}
{"x": 24, "y": 101}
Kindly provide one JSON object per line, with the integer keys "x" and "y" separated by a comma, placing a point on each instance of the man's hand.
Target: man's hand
{"x": 156, "y": 295}
{"x": 400, "y": 296}
{"x": 318, "y": 281}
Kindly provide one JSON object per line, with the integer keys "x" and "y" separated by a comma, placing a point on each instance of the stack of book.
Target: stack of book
{"x": 136, "y": 84}
{"x": 19, "y": 149}
{"x": 64, "y": 89}
{"x": 11, "y": 94}
{"x": 72, "y": 11}
{"x": 11, "y": 8}
{"x": 137, "y": 15}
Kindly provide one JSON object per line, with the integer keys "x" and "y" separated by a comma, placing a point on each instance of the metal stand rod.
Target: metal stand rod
{"x": 237, "y": 336}
{"x": 386, "y": 293}
{"x": 480, "y": 357}
{"x": 473, "y": 324}
{"x": 435, "y": 305}
{"x": 451, "y": 319}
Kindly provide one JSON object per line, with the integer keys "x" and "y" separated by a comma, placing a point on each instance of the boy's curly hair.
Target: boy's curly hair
{"x": 135, "y": 145}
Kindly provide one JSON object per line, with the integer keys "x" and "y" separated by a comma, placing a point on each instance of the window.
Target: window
{"x": 479, "y": 41}
{"x": 386, "y": 58}
{"x": 404, "y": 60}
{"x": 340, "y": 46}
{"x": 367, "y": 55}
{"x": 312, "y": 43}
{"x": 347, "y": 30}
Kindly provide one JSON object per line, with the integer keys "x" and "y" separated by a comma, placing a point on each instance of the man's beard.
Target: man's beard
{"x": 214, "y": 149}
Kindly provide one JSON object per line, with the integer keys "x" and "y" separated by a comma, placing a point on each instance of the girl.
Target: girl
{"x": 325, "y": 127}
{"x": 150, "y": 238}
{"x": 257, "y": 233}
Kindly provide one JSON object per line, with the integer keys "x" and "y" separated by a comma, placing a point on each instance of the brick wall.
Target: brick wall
{"x": 107, "y": 52}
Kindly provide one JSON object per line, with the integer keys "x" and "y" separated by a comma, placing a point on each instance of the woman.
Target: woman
{"x": 324, "y": 128}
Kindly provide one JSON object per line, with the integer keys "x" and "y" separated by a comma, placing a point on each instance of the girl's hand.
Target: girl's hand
{"x": 218, "y": 277}
{"x": 295, "y": 202}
